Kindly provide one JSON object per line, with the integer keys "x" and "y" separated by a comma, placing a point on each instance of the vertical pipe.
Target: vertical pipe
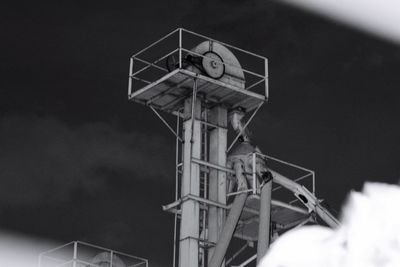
{"x": 264, "y": 220}
{"x": 192, "y": 117}
{"x": 313, "y": 182}
{"x": 266, "y": 78}
{"x": 205, "y": 214}
{"x": 111, "y": 258}
{"x": 75, "y": 254}
{"x": 130, "y": 77}
{"x": 254, "y": 174}
{"x": 205, "y": 152}
{"x": 204, "y": 187}
{"x": 176, "y": 184}
{"x": 180, "y": 48}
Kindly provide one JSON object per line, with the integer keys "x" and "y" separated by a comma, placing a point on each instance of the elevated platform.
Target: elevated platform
{"x": 169, "y": 92}
{"x": 283, "y": 216}
{"x": 286, "y": 210}
{"x": 162, "y": 75}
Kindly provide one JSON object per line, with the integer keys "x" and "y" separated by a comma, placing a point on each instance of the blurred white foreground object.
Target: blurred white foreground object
{"x": 379, "y": 17}
{"x": 17, "y": 250}
{"x": 369, "y": 235}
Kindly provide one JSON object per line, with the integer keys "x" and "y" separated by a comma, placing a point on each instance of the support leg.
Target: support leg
{"x": 265, "y": 218}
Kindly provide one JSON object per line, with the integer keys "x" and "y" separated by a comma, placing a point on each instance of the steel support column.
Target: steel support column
{"x": 189, "y": 228}
{"x": 217, "y": 179}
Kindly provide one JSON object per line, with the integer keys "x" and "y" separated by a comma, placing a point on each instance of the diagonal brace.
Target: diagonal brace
{"x": 166, "y": 123}
{"x": 244, "y": 127}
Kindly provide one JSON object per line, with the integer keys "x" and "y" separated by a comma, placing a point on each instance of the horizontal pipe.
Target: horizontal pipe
{"x": 213, "y": 166}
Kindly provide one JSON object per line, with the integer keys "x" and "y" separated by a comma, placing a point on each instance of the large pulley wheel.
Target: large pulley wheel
{"x": 213, "y": 65}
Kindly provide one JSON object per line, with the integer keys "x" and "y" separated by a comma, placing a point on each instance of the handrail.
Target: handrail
{"x": 225, "y": 44}
{"x": 156, "y": 42}
{"x": 227, "y": 64}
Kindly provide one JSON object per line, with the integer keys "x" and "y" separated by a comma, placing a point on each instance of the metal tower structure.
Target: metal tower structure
{"x": 223, "y": 190}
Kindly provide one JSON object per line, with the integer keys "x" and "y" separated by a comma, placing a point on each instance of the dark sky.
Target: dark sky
{"x": 77, "y": 160}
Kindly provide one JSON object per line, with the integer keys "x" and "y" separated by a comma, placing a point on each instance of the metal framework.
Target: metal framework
{"x": 151, "y": 83}
{"x": 201, "y": 105}
{"x": 82, "y": 254}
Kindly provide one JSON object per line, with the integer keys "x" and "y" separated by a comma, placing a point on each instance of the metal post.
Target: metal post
{"x": 205, "y": 185}
{"x": 254, "y": 174}
{"x": 180, "y": 48}
{"x": 266, "y": 79}
{"x": 75, "y": 254}
{"x": 111, "y": 258}
{"x": 217, "y": 178}
{"x": 189, "y": 228}
{"x": 130, "y": 77}
{"x": 313, "y": 182}
{"x": 264, "y": 221}
{"x": 176, "y": 184}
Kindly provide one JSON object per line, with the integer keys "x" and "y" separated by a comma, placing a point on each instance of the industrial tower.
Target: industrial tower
{"x": 223, "y": 190}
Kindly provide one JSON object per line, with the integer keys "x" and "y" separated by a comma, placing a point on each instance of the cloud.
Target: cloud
{"x": 377, "y": 17}
{"x": 43, "y": 158}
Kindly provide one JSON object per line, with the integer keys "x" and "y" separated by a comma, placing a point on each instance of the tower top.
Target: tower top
{"x": 162, "y": 74}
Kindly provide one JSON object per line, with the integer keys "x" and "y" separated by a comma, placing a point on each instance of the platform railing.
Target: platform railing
{"x": 308, "y": 174}
{"x": 82, "y": 254}
{"x": 144, "y": 70}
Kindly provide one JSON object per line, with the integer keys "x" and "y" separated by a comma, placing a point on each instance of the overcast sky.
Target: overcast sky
{"x": 77, "y": 160}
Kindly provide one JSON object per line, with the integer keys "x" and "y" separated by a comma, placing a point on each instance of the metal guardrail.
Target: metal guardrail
{"x": 180, "y": 49}
{"x": 307, "y": 173}
{"x": 82, "y": 254}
